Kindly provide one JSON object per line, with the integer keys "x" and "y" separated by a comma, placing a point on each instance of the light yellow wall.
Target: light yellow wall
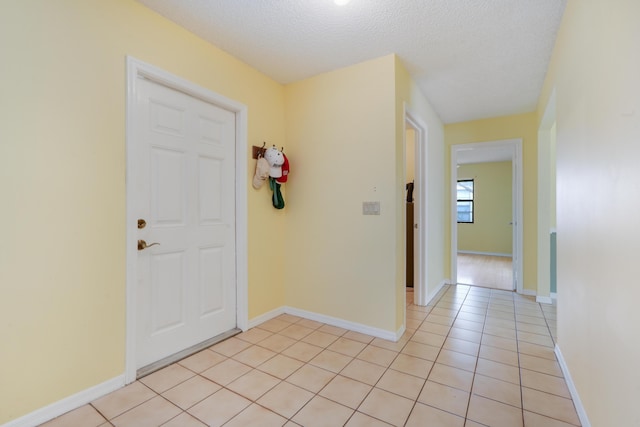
{"x": 341, "y": 135}
{"x": 524, "y": 126}
{"x": 408, "y": 93}
{"x": 62, "y": 180}
{"x": 490, "y": 231}
{"x": 594, "y": 71}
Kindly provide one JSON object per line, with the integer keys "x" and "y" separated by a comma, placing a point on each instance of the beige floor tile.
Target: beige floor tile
{"x": 254, "y": 356}
{"x": 444, "y": 312}
{"x": 320, "y": 339}
{"x": 85, "y": 415}
{"x": 412, "y": 365}
{"x": 202, "y": 360}
{"x": 412, "y": 324}
{"x": 321, "y": 412}
{"x": 219, "y": 408}
{"x": 472, "y": 317}
{"x": 253, "y": 384}
{"x": 166, "y": 378}
{"x": 357, "y": 336}
{"x": 473, "y": 308}
{"x": 461, "y": 346}
{"x": 538, "y": 364}
{"x": 500, "y": 314}
{"x": 311, "y": 378}
{"x": 533, "y": 329}
{"x": 119, "y": 401}
{"x": 416, "y": 315}
{"x": 254, "y": 335}
{"x": 503, "y": 343}
{"x": 230, "y": 347}
{"x": 302, "y": 351}
{"x": 500, "y": 323}
{"x": 377, "y": 355}
{"x": 465, "y": 334}
{"x": 331, "y": 361}
{"x": 424, "y": 415}
{"x": 286, "y": 317}
{"x": 493, "y": 413}
{"x": 312, "y": 324}
{"x": 296, "y": 332}
{"x": 452, "y": 377}
{"x": 285, "y": 399}
{"x": 280, "y": 366}
{"x": 499, "y": 390}
{"x": 400, "y": 383}
{"x": 277, "y": 343}
{"x": 365, "y": 372}
{"x": 153, "y": 412}
{"x": 428, "y": 338}
{"x": 392, "y": 345}
{"x": 469, "y": 325}
{"x": 256, "y": 415}
{"x": 536, "y": 420}
{"x": 333, "y": 330}
{"x": 546, "y": 383}
{"x": 359, "y": 419}
{"x": 499, "y": 371}
{"x": 499, "y": 355}
{"x": 387, "y": 407}
{"x": 544, "y": 340}
{"x": 549, "y": 405}
{"x": 457, "y": 360}
{"x": 445, "y": 398}
{"x": 536, "y": 350}
{"x": 184, "y": 420}
{"x": 434, "y": 328}
{"x": 274, "y": 325}
{"x": 500, "y": 332}
{"x": 423, "y": 351}
{"x": 225, "y": 372}
{"x": 190, "y": 392}
{"x": 347, "y": 346}
{"x": 346, "y": 391}
{"x": 441, "y": 320}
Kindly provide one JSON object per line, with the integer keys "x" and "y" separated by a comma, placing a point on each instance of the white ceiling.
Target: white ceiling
{"x": 472, "y": 58}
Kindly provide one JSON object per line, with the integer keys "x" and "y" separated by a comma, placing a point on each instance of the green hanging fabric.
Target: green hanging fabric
{"x": 277, "y": 200}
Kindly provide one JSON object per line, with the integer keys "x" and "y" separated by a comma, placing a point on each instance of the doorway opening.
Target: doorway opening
{"x": 499, "y": 164}
{"x": 415, "y": 202}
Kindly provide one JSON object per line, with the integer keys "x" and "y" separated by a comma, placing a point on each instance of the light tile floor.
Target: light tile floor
{"x": 476, "y": 357}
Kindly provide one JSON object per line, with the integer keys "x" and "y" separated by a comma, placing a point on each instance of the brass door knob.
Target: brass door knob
{"x": 143, "y": 245}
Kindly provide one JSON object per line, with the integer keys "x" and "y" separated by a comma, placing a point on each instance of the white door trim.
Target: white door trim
{"x": 135, "y": 70}
{"x": 515, "y": 147}
{"x": 420, "y": 214}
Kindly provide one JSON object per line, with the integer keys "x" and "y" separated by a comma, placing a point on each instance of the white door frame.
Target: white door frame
{"x": 420, "y": 213}
{"x": 515, "y": 148}
{"x": 135, "y": 70}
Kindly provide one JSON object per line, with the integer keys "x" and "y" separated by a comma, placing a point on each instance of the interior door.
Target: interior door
{"x": 185, "y": 175}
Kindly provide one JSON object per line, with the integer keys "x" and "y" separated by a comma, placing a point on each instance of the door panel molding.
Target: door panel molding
{"x": 137, "y": 69}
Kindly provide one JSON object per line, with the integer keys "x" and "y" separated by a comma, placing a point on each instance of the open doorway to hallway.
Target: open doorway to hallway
{"x": 488, "y": 271}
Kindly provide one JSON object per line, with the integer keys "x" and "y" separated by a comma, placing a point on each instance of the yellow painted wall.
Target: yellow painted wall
{"x": 594, "y": 71}
{"x": 341, "y": 133}
{"x": 490, "y": 231}
{"x": 524, "y": 126}
{"x": 62, "y": 181}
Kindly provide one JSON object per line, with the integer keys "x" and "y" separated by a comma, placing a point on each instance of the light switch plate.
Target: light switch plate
{"x": 370, "y": 208}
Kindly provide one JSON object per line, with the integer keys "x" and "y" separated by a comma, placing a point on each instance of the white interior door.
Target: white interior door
{"x": 185, "y": 192}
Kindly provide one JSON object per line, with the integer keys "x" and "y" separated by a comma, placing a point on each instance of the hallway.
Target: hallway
{"x": 476, "y": 357}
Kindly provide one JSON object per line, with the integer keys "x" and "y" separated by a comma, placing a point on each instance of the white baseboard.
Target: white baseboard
{"x": 70, "y": 403}
{"x": 265, "y": 317}
{"x": 486, "y": 253}
{"x": 582, "y": 414}
{"x": 435, "y": 293}
{"x": 345, "y": 324}
{"x": 544, "y": 300}
{"x": 554, "y": 295}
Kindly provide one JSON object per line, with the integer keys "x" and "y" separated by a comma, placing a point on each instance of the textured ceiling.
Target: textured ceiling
{"x": 472, "y": 58}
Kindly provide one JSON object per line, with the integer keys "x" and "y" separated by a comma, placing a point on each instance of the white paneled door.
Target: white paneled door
{"x": 185, "y": 202}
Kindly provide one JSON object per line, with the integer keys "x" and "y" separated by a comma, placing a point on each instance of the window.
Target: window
{"x": 465, "y": 201}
